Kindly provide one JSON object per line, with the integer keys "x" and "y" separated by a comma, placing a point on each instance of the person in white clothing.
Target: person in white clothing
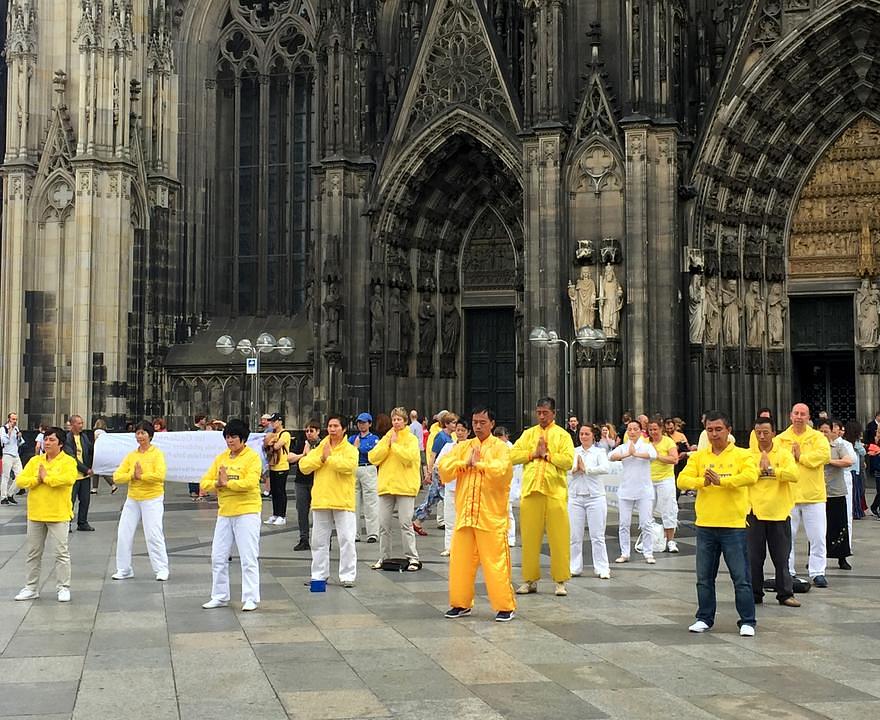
{"x": 840, "y": 431}
{"x": 635, "y": 490}
{"x": 11, "y": 439}
{"x": 461, "y": 433}
{"x": 586, "y": 502}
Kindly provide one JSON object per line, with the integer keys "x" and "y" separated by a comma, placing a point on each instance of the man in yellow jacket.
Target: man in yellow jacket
{"x": 334, "y": 463}
{"x": 811, "y": 453}
{"x": 546, "y": 452}
{"x": 772, "y": 499}
{"x": 482, "y": 471}
{"x": 721, "y": 474}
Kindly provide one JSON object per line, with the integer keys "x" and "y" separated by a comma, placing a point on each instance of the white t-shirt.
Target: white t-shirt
{"x": 635, "y": 481}
{"x": 445, "y": 449}
{"x": 589, "y": 483}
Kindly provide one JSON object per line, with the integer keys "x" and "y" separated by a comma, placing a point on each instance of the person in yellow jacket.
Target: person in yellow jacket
{"x": 49, "y": 479}
{"x": 334, "y": 463}
{"x": 398, "y": 459}
{"x": 482, "y": 472}
{"x": 143, "y": 470}
{"x": 235, "y": 477}
{"x": 771, "y": 499}
{"x": 546, "y": 452}
{"x": 763, "y": 412}
{"x": 811, "y": 452}
{"x": 721, "y": 474}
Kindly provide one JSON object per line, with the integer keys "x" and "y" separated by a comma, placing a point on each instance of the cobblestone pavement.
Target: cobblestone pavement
{"x": 617, "y": 648}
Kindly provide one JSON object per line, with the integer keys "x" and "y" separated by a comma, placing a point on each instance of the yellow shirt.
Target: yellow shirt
{"x": 283, "y": 463}
{"x": 77, "y": 443}
{"x": 661, "y": 470}
{"x": 772, "y": 497}
{"x": 481, "y": 491}
{"x": 49, "y": 499}
{"x": 241, "y": 495}
{"x": 815, "y": 454}
{"x": 548, "y": 477}
{"x": 398, "y": 463}
{"x": 152, "y": 482}
{"x": 334, "y": 480}
{"x": 429, "y": 443}
{"x": 725, "y": 505}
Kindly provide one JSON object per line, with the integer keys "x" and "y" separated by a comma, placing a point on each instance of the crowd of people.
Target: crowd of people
{"x": 363, "y": 485}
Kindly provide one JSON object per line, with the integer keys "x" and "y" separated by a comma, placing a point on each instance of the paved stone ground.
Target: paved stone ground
{"x": 617, "y": 649}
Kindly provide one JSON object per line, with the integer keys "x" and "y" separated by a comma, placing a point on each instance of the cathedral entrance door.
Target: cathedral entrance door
{"x": 490, "y": 362}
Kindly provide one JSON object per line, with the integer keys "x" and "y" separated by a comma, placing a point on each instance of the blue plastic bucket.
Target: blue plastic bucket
{"x": 318, "y": 586}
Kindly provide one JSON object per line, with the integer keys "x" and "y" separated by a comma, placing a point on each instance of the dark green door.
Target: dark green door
{"x": 490, "y": 362}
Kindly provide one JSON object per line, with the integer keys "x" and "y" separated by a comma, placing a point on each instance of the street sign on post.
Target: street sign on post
{"x": 251, "y": 366}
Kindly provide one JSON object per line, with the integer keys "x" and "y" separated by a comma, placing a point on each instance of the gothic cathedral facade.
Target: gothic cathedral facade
{"x": 407, "y": 188}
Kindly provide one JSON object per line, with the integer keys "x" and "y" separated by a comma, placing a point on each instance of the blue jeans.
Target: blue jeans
{"x": 435, "y": 495}
{"x": 712, "y": 542}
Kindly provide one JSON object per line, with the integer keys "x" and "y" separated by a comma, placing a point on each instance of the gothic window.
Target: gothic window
{"x": 264, "y": 130}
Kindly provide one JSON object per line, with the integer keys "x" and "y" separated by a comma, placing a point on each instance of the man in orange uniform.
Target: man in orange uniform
{"x": 481, "y": 466}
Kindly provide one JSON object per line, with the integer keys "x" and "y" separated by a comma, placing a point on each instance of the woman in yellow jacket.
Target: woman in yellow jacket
{"x": 235, "y": 477}
{"x": 143, "y": 470}
{"x": 49, "y": 479}
{"x": 397, "y": 457}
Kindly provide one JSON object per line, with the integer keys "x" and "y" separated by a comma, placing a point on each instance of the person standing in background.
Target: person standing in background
{"x": 277, "y": 446}
{"x": 80, "y": 448}
{"x": 366, "y": 493}
{"x": 11, "y": 439}
{"x": 303, "y": 481}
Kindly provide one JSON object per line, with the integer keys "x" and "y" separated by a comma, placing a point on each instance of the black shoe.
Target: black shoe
{"x": 85, "y": 527}
{"x": 457, "y": 612}
{"x": 820, "y": 581}
{"x": 372, "y": 539}
{"x": 504, "y": 616}
{"x": 21, "y": 492}
{"x": 4, "y": 501}
{"x": 843, "y": 564}
{"x": 12, "y": 500}
{"x": 759, "y": 600}
{"x": 302, "y": 545}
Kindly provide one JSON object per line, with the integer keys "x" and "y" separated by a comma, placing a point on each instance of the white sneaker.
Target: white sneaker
{"x": 672, "y": 546}
{"x": 650, "y": 560}
{"x": 560, "y": 590}
{"x": 698, "y": 627}
{"x": 511, "y": 543}
{"x": 248, "y": 606}
{"x": 162, "y": 575}
{"x": 622, "y": 559}
{"x": 122, "y": 574}
{"x": 747, "y": 631}
{"x": 27, "y": 594}
{"x": 280, "y": 521}
{"x": 605, "y": 575}
{"x": 211, "y": 604}
{"x": 64, "y": 596}
{"x": 445, "y": 553}
{"x": 271, "y": 520}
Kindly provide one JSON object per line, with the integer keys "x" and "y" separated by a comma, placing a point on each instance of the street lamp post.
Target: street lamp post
{"x": 585, "y": 337}
{"x": 265, "y": 343}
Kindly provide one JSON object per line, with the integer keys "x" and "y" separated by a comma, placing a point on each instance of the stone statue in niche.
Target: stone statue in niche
{"x": 712, "y": 311}
{"x": 777, "y": 304}
{"x": 696, "y": 295}
{"x": 407, "y": 328}
{"x": 583, "y": 299}
{"x": 868, "y": 314}
{"x": 451, "y": 326}
{"x": 610, "y": 302}
{"x": 756, "y": 316}
{"x": 395, "y": 308}
{"x": 332, "y": 305}
{"x": 427, "y": 325}
{"x": 731, "y": 309}
{"x": 377, "y": 320}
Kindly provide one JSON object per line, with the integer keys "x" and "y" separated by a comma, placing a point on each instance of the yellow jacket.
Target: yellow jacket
{"x": 241, "y": 495}
{"x": 772, "y": 497}
{"x": 334, "y": 480}
{"x": 152, "y": 482}
{"x": 398, "y": 463}
{"x": 815, "y": 454}
{"x": 49, "y": 499}
{"x": 548, "y": 477}
{"x": 481, "y": 491}
{"x": 429, "y": 443}
{"x": 725, "y": 505}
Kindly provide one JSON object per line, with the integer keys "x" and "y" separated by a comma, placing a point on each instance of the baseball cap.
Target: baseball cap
{"x": 266, "y": 416}
{"x": 365, "y": 417}
{"x": 275, "y": 416}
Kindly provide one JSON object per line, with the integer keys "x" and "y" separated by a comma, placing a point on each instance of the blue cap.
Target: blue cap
{"x": 365, "y": 417}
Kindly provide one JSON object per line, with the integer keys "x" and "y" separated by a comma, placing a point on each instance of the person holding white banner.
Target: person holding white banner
{"x": 143, "y": 470}
{"x": 587, "y": 503}
{"x": 235, "y": 477}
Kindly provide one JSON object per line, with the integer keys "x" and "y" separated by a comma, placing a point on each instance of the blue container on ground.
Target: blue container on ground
{"x": 318, "y": 586}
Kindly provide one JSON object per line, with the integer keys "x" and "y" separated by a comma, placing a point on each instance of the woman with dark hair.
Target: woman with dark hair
{"x": 235, "y": 477}
{"x": 143, "y": 470}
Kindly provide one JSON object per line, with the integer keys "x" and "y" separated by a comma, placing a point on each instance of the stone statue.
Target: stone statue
{"x": 583, "y": 299}
{"x": 451, "y": 326}
{"x": 756, "y": 316}
{"x": 427, "y": 325}
{"x": 776, "y": 307}
{"x": 712, "y": 311}
{"x": 867, "y": 264}
{"x": 731, "y": 309}
{"x": 332, "y": 304}
{"x": 868, "y": 313}
{"x": 696, "y": 293}
{"x": 395, "y": 308}
{"x": 377, "y": 320}
{"x": 610, "y": 302}
{"x": 407, "y": 327}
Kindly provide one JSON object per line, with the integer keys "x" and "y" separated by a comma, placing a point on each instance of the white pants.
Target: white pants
{"x": 323, "y": 522}
{"x": 404, "y": 504}
{"x": 644, "y": 507}
{"x": 150, "y": 513}
{"x": 448, "y": 516}
{"x": 511, "y": 525}
{"x": 366, "y": 497}
{"x": 11, "y": 464}
{"x": 244, "y": 531}
{"x": 812, "y": 516}
{"x": 665, "y": 503}
{"x": 847, "y": 476}
{"x": 593, "y": 511}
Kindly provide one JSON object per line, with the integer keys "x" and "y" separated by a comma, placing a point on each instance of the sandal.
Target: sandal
{"x": 377, "y": 565}
{"x": 419, "y": 530}
{"x": 414, "y": 566}
{"x": 114, "y": 489}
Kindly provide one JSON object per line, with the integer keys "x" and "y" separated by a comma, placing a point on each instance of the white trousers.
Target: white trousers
{"x": 323, "y": 522}
{"x": 594, "y": 512}
{"x": 11, "y": 464}
{"x": 665, "y": 504}
{"x": 150, "y": 513}
{"x": 511, "y": 525}
{"x": 404, "y": 504}
{"x": 244, "y": 531}
{"x": 366, "y": 497}
{"x": 448, "y": 516}
{"x": 812, "y": 516}
{"x": 644, "y": 507}
{"x": 847, "y": 476}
